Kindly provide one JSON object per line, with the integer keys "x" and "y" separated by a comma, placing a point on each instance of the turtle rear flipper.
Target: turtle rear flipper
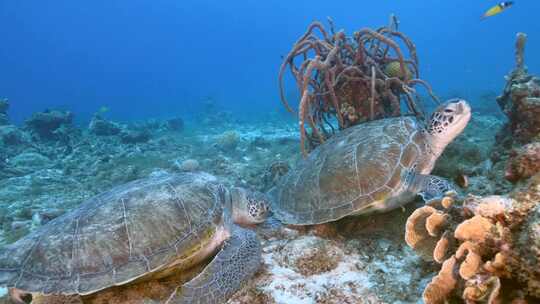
{"x": 235, "y": 264}
{"x": 433, "y": 187}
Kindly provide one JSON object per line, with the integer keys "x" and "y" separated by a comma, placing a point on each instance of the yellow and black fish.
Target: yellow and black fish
{"x": 497, "y": 9}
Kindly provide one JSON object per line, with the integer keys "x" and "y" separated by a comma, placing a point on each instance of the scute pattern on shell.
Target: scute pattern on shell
{"x": 355, "y": 169}
{"x": 115, "y": 237}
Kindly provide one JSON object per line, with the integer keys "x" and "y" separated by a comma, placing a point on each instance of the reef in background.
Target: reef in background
{"x": 48, "y": 165}
{"x": 520, "y": 100}
{"x": 488, "y": 247}
{"x": 518, "y": 142}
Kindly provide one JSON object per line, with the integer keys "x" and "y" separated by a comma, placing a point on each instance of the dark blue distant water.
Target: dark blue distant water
{"x": 161, "y": 58}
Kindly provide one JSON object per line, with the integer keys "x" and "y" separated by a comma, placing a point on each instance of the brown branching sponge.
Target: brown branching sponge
{"x": 351, "y": 79}
{"x": 488, "y": 247}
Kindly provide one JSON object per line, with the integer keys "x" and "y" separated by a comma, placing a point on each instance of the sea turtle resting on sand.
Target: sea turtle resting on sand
{"x": 375, "y": 166}
{"x": 145, "y": 229}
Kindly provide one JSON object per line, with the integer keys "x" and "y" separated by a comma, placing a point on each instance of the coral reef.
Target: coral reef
{"x": 175, "y": 124}
{"x": 135, "y": 136}
{"x": 102, "y": 127}
{"x": 228, "y": 141}
{"x": 10, "y": 135}
{"x": 188, "y": 165}
{"x": 50, "y": 125}
{"x": 352, "y": 79}
{"x": 524, "y": 162}
{"x": 4, "y": 107}
{"x": 520, "y": 100}
{"x": 212, "y": 114}
{"x": 488, "y": 246}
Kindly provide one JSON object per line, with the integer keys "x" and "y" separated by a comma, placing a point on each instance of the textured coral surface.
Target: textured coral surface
{"x": 488, "y": 246}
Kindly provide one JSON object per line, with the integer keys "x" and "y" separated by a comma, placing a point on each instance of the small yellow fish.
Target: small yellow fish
{"x": 497, "y": 9}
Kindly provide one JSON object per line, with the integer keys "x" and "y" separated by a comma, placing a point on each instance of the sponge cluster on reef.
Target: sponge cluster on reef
{"x": 488, "y": 247}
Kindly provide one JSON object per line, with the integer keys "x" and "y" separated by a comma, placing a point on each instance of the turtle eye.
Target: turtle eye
{"x": 448, "y": 111}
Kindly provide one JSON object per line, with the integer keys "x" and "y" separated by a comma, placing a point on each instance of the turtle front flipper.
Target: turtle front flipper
{"x": 272, "y": 227}
{"x": 432, "y": 187}
{"x": 235, "y": 264}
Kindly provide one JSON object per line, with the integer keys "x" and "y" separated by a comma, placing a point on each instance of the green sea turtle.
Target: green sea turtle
{"x": 145, "y": 229}
{"x": 375, "y": 166}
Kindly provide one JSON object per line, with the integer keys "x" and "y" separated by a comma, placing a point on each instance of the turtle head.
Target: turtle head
{"x": 448, "y": 121}
{"x": 249, "y": 207}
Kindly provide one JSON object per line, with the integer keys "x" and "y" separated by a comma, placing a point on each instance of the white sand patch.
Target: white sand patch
{"x": 345, "y": 282}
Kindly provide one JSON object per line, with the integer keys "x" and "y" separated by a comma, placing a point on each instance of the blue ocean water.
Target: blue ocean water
{"x": 162, "y": 58}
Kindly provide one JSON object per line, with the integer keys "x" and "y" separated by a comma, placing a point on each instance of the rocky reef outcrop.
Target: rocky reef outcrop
{"x": 11, "y": 135}
{"x": 175, "y": 124}
{"x": 135, "y": 136}
{"x": 4, "y": 106}
{"x": 101, "y": 127}
{"x": 520, "y": 100}
{"x": 524, "y": 162}
{"x": 50, "y": 124}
